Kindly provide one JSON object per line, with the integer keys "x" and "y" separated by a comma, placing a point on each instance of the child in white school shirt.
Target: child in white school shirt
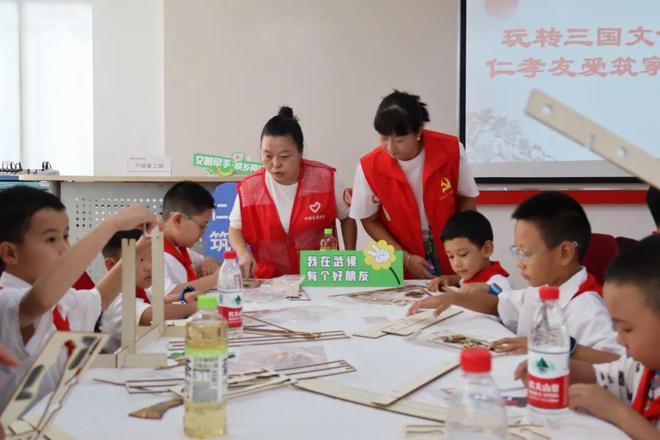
{"x": 36, "y": 298}
{"x": 552, "y": 234}
{"x": 111, "y": 318}
{"x": 187, "y": 211}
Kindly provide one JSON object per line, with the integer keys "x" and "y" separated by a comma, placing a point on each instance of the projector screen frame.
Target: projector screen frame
{"x": 462, "y": 78}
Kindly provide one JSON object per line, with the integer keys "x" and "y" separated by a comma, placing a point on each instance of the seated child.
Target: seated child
{"x": 111, "y": 318}
{"x": 187, "y": 211}
{"x": 626, "y": 392}
{"x": 36, "y": 298}
{"x": 552, "y": 234}
{"x": 468, "y": 241}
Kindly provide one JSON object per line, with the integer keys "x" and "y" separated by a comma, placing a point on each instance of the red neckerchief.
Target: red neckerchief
{"x": 182, "y": 256}
{"x": 590, "y": 285}
{"x": 487, "y": 272}
{"x": 142, "y": 294}
{"x": 650, "y": 410}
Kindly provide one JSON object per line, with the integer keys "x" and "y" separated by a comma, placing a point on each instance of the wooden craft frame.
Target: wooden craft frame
{"x": 417, "y": 383}
{"x": 408, "y": 325}
{"x": 274, "y": 337}
{"x": 372, "y": 296}
{"x": 596, "y": 138}
{"x": 516, "y": 432}
{"x": 134, "y": 338}
{"x": 86, "y": 346}
{"x": 250, "y": 382}
{"x": 366, "y": 398}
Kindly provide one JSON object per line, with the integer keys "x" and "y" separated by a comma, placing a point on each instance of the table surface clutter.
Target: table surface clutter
{"x": 98, "y": 410}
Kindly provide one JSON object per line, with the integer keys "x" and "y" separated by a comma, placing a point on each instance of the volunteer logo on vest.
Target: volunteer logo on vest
{"x": 315, "y": 207}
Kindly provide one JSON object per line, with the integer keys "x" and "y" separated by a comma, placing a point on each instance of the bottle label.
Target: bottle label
{"x": 231, "y": 309}
{"x": 548, "y": 375}
{"x": 205, "y": 376}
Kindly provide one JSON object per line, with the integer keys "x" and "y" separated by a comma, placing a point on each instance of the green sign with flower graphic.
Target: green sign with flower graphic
{"x": 379, "y": 265}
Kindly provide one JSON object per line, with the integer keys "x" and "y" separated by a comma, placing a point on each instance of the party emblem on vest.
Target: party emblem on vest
{"x": 314, "y": 207}
{"x": 445, "y": 184}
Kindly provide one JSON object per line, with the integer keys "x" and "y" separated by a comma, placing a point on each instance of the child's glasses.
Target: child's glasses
{"x": 521, "y": 255}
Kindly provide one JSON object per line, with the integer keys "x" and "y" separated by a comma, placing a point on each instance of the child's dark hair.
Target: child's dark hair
{"x": 285, "y": 123}
{"x": 639, "y": 265}
{"x": 188, "y": 198}
{"x": 653, "y": 202}
{"x": 468, "y": 224}
{"x": 112, "y": 249}
{"x": 19, "y": 204}
{"x": 400, "y": 113}
{"x": 559, "y": 217}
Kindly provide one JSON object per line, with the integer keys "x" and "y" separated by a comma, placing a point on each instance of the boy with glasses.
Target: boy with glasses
{"x": 552, "y": 234}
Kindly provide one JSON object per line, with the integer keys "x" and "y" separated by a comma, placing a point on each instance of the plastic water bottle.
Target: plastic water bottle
{"x": 205, "y": 385}
{"x": 230, "y": 302}
{"x": 329, "y": 241}
{"x": 548, "y": 360}
{"x": 476, "y": 411}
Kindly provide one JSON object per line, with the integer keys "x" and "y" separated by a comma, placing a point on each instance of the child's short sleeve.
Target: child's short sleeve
{"x": 509, "y": 304}
{"x": 83, "y": 308}
{"x": 501, "y": 281}
{"x": 620, "y": 377}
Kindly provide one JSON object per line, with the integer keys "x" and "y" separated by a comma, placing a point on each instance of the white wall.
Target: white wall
{"x": 128, "y": 82}
{"x": 230, "y": 64}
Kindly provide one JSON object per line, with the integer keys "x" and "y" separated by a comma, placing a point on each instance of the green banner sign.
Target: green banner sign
{"x": 379, "y": 265}
{"x": 225, "y": 165}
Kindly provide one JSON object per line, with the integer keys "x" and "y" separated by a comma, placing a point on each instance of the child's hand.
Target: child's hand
{"x": 134, "y": 217}
{"x": 418, "y": 267}
{"x": 191, "y": 297}
{"x": 440, "y": 303}
{"x": 247, "y": 263}
{"x": 521, "y": 372}
{"x": 515, "y": 345}
{"x": 208, "y": 266}
{"x": 595, "y": 400}
{"x": 439, "y": 283}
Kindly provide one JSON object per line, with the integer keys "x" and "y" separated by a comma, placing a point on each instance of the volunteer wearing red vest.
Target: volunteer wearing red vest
{"x": 408, "y": 186}
{"x": 284, "y": 207}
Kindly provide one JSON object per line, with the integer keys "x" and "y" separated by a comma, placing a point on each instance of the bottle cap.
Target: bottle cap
{"x": 327, "y": 231}
{"x": 549, "y": 293}
{"x": 475, "y": 360}
{"x": 230, "y": 255}
{"x": 207, "y": 302}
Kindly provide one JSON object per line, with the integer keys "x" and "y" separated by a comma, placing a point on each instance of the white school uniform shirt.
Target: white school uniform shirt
{"x": 175, "y": 273}
{"x": 622, "y": 378}
{"x": 364, "y": 204}
{"x": 81, "y": 307}
{"x": 587, "y": 319}
{"x": 284, "y": 196}
{"x": 111, "y": 320}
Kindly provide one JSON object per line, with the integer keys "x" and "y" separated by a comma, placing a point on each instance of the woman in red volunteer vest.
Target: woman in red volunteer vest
{"x": 284, "y": 207}
{"x": 407, "y": 187}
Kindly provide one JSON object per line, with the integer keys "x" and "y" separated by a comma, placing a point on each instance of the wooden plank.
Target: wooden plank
{"x": 417, "y": 383}
{"x": 596, "y": 138}
{"x": 516, "y": 432}
{"x": 408, "y": 325}
{"x": 366, "y": 398}
{"x": 128, "y": 320}
{"x": 158, "y": 279}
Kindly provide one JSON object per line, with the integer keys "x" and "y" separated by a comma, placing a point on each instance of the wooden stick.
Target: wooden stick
{"x": 268, "y": 323}
{"x": 157, "y": 411}
{"x": 417, "y": 383}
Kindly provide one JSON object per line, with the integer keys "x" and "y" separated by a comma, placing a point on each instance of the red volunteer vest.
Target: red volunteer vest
{"x": 486, "y": 273}
{"x": 182, "y": 256}
{"x": 589, "y": 285}
{"x": 275, "y": 251}
{"x": 398, "y": 207}
{"x": 650, "y": 410}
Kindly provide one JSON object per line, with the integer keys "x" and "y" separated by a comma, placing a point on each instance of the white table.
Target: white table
{"x": 99, "y": 411}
